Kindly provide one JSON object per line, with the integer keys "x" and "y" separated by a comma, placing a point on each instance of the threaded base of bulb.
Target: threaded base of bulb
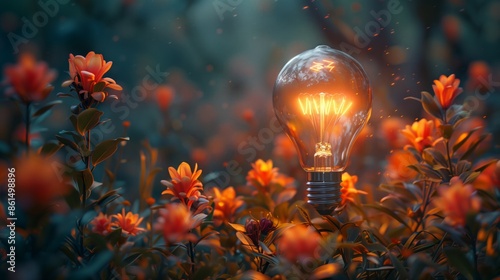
{"x": 323, "y": 191}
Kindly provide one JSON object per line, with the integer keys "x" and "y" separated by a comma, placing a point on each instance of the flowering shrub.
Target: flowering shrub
{"x": 439, "y": 217}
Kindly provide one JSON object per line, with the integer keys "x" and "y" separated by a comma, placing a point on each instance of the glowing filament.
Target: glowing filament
{"x": 323, "y": 110}
{"x": 323, "y": 104}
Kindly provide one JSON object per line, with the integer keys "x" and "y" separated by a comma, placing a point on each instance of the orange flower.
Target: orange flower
{"x": 39, "y": 183}
{"x": 226, "y": 204}
{"x": 390, "y": 132}
{"x": 299, "y": 243}
{"x": 176, "y": 221}
{"x": 456, "y": 201}
{"x": 348, "y": 189}
{"x": 87, "y": 72}
{"x": 397, "y": 166}
{"x": 262, "y": 173}
{"x": 420, "y": 134}
{"x": 129, "y": 223}
{"x": 164, "y": 96}
{"x": 446, "y": 89}
{"x": 489, "y": 179}
{"x": 284, "y": 148}
{"x": 101, "y": 224}
{"x": 184, "y": 185}
{"x": 29, "y": 79}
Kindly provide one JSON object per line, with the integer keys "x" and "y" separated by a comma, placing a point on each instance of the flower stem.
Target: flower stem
{"x": 27, "y": 139}
{"x": 87, "y": 163}
{"x": 151, "y": 224}
{"x": 86, "y": 160}
{"x": 447, "y": 144}
{"x": 191, "y": 256}
{"x": 449, "y": 157}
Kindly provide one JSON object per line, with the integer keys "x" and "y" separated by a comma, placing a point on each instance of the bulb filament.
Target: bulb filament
{"x": 324, "y": 110}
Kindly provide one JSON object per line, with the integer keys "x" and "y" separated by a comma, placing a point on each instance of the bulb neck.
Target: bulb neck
{"x": 323, "y": 191}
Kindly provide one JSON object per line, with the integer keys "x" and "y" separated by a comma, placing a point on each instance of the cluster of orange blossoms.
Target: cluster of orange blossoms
{"x": 128, "y": 222}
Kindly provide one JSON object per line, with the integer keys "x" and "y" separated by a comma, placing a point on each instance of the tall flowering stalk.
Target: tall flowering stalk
{"x": 30, "y": 80}
{"x": 91, "y": 87}
{"x": 185, "y": 187}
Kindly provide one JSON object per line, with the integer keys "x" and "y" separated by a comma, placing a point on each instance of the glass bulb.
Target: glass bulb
{"x": 322, "y": 99}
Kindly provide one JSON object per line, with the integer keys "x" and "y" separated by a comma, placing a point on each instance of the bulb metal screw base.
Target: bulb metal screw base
{"x": 323, "y": 191}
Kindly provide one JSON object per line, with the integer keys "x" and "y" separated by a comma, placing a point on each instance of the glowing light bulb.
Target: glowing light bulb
{"x": 322, "y": 99}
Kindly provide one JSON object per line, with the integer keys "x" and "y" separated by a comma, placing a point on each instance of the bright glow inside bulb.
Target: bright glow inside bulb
{"x": 323, "y": 110}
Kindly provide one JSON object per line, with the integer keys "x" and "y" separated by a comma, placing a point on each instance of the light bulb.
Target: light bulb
{"x": 322, "y": 99}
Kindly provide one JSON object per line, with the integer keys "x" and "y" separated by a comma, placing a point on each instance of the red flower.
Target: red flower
{"x": 29, "y": 79}
{"x": 101, "y": 224}
{"x": 446, "y": 89}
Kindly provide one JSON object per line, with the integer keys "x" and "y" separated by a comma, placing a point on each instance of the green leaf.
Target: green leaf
{"x": 106, "y": 149}
{"x": 430, "y": 106}
{"x": 46, "y": 108}
{"x": 471, "y": 177}
{"x": 62, "y": 94}
{"x": 105, "y": 199}
{"x": 423, "y": 247}
{"x": 389, "y": 212}
{"x": 91, "y": 269}
{"x": 435, "y": 156}
{"x": 68, "y": 143}
{"x": 304, "y": 214}
{"x": 74, "y": 121}
{"x": 50, "y": 148}
{"x": 460, "y": 143}
{"x": 245, "y": 240}
{"x": 473, "y": 147}
{"x": 403, "y": 274}
{"x": 238, "y": 227}
{"x": 426, "y": 170}
{"x": 99, "y": 86}
{"x": 459, "y": 261}
{"x": 84, "y": 180}
{"x": 482, "y": 167}
{"x": 463, "y": 166}
{"x": 87, "y": 120}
